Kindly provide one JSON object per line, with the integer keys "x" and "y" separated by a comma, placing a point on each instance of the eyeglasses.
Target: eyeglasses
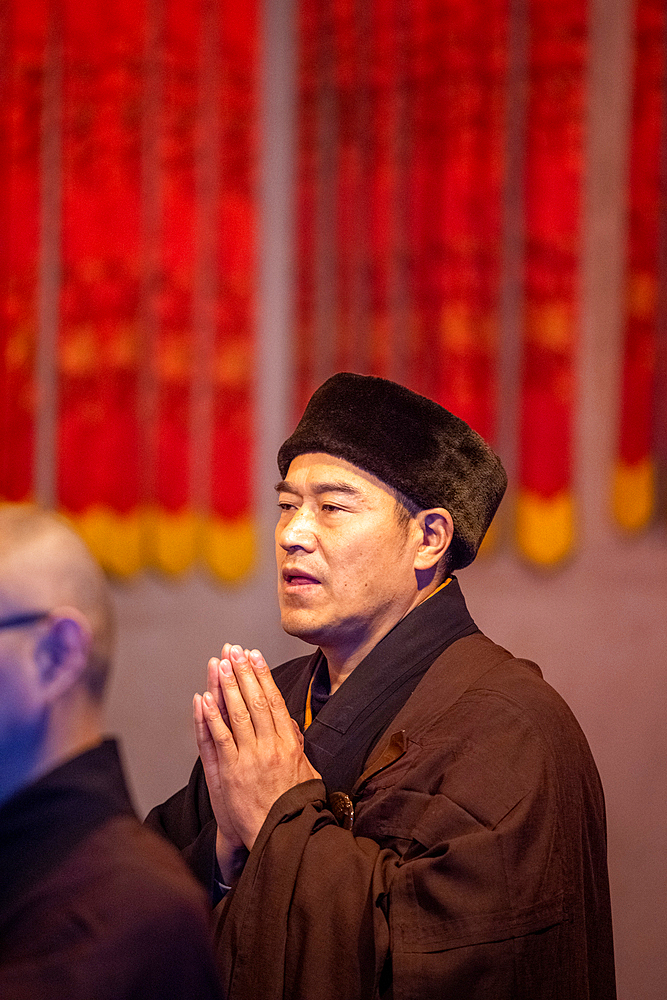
{"x": 28, "y": 618}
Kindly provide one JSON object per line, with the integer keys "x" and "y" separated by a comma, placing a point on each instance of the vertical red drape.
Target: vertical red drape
{"x": 100, "y": 350}
{"x": 469, "y": 74}
{"x": 229, "y": 544}
{"x": 172, "y": 527}
{"x": 633, "y": 495}
{"x": 307, "y": 166}
{"x": 23, "y": 27}
{"x": 390, "y": 65}
{"x": 346, "y": 79}
{"x": 554, "y": 171}
{"x": 429, "y": 67}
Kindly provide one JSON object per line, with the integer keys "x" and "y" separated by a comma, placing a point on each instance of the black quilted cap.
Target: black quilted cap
{"x": 409, "y": 442}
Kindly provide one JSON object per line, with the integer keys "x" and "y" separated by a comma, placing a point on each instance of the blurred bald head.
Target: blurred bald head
{"x": 44, "y": 566}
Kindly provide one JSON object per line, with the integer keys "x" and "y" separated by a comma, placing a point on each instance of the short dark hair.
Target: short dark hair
{"x": 405, "y": 509}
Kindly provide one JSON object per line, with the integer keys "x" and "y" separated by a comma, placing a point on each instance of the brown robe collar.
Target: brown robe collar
{"x": 349, "y": 725}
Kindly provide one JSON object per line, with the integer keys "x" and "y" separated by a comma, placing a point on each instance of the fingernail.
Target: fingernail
{"x": 256, "y": 658}
{"x": 226, "y": 668}
{"x": 208, "y": 698}
{"x": 236, "y": 652}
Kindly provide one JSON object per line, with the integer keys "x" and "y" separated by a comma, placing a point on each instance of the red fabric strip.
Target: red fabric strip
{"x": 648, "y": 115}
{"x": 307, "y": 169}
{"x": 173, "y": 301}
{"x": 23, "y": 27}
{"x": 233, "y": 378}
{"x": 469, "y": 240}
{"x": 386, "y": 64}
{"x": 348, "y": 77}
{"x": 101, "y": 255}
{"x": 457, "y": 77}
{"x": 554, "y": 169}
{"x": 425, "y": 188}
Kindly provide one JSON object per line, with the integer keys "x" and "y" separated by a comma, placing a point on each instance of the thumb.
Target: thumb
{"x": 299, "y": 734}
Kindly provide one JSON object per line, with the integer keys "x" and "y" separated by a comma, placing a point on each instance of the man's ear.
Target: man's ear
{"x": 437, "y": 528}
{"x": 61, "y": 653}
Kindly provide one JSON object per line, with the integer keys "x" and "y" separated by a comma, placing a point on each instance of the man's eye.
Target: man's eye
{"x": 286, "y": 505}
{"x": 330, "y": 506}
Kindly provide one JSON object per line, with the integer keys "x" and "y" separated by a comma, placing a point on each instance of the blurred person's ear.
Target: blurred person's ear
{"x": 61, "y": 654}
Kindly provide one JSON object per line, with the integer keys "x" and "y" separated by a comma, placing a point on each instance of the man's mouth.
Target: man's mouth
{"x": 297, "y": 578}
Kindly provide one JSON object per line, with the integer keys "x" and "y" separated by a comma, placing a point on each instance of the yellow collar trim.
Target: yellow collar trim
{"x": 309, "y": 712}
{"x": 441, "y": 587}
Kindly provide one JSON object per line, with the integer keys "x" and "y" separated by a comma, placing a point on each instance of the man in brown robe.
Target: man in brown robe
{"x": 93, "y": 906}
{"x": 410, "y": 812}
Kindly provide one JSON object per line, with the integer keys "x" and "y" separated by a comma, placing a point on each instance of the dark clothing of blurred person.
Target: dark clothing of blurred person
{"x": 92, "y": 905}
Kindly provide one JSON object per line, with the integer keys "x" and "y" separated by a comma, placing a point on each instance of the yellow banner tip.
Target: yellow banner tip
{"x": 545, "y": 527}
{"x": 634, "y": 494}
{"x": 229, "y": 548}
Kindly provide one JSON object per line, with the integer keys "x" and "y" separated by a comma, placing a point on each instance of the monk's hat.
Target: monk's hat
{"x": 409, "y": 442}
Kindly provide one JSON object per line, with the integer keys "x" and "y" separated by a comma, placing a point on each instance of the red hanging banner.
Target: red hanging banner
{"x": 350, "y": 78}
{"x": 23, "y": 28}
{"x": 173, "y": 523}
{"x": 428, "y": 74}
{"x": 633, "y": 496}
{"x": 345, "y": 81}
{"x": 553, "y": 179}
{"x": 100, "y": 348}
{"x": 388, "y": 56}
{"x": 229, "y": 539}
{"x": 307, "y": 172}
{"x": 468, "y": 278}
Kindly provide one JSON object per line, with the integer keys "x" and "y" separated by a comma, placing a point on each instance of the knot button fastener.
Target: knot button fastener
{"x": 341, "y": 806}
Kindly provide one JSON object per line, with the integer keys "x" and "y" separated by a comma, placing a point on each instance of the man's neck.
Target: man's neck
{"x": 341, "y": 665}
{"x": 342, "y": 660}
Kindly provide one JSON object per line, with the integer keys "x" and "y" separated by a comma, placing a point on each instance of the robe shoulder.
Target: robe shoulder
{"x": 120, "y": 919}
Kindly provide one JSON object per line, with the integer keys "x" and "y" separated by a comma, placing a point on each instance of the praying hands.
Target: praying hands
{"x": 250, "y": 747}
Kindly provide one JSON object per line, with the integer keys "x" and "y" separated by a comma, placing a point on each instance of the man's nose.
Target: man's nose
{"x": 299, "y": 531}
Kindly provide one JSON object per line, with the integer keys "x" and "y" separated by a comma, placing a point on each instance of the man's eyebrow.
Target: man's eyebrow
{"x": 335, "y": 486}
{"x": 284, "y": 486}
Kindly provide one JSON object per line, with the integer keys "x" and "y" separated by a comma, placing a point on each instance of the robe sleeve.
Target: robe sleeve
{"x": 305, "y": 918}
{"x": 186, "y": 820}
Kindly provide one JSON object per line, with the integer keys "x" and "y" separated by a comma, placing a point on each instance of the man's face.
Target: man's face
{"x": 346, "y": 571}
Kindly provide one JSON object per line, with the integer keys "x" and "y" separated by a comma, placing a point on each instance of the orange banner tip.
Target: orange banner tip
{"x": 545, "y": 527}
{"x": 229, "y": 548}
{"x": 634, "y": 494}
{"x": 116, "y": 540}
{"x": 171, "y": 539}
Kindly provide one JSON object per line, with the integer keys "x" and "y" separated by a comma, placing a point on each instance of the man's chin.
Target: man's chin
{"x": 300, "y": 627}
